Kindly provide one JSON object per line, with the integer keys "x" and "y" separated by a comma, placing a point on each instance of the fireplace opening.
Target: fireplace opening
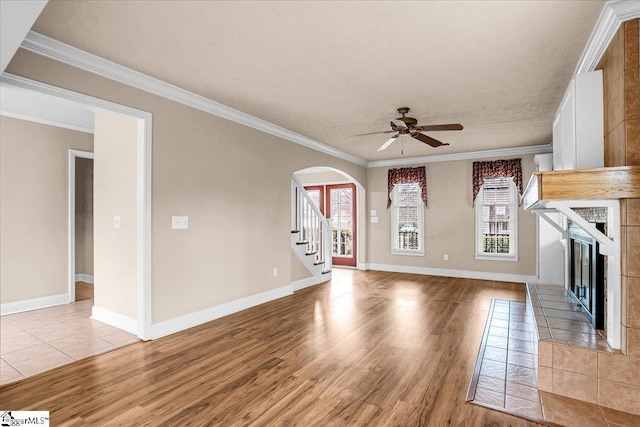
{"x": 587, "y": 285}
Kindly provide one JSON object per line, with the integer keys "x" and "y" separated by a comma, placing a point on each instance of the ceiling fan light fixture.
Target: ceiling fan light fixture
{"x": 409, "y": 126}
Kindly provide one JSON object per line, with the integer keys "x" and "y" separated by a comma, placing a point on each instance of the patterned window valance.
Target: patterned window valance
{"x": 507, "y": 168}
{"x": 406, "y": 176}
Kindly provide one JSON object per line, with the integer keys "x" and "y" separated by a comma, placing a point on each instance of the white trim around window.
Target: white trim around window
{"x": 496, "y": 221}
{"x": 407, "y": 220}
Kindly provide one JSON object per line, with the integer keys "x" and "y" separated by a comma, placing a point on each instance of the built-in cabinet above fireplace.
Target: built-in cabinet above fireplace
{"x": 578, "y": 136}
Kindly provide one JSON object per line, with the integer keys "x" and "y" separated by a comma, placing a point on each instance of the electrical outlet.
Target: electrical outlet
{"x": 446, "y": 257}
{"x": 275, "y": 272}
{"x": 117, "y": 221}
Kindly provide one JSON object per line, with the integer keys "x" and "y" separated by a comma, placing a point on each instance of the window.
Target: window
{"x": 407, "y": 220}
{"x": 497, "y": 220}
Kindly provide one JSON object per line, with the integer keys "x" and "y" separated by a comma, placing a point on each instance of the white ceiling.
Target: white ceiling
{"x": 33, "y": 106}
{"x": 329, "y": 70}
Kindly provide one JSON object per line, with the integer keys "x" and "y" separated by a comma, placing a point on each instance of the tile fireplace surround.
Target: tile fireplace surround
{"x": 574, "y": 360}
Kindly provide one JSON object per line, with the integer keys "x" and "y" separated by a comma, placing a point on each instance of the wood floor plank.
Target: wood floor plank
{"x": 368, "y": 348}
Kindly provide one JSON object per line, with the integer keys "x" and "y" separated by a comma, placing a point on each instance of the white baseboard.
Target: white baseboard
{"x": 84, "y": 278}
{"x": 463, "y": 274}
{"x": 177, "y": 324}
{"x": 305, "y": 283}
{"x": 33, "y": 304}
{"x": 115, "y": 319}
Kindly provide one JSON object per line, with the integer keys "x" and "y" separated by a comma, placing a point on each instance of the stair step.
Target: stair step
{"x": 311, "y": 253}
{"x": 304, "y": 242}
{"x": 326, "y": 271}
{"x": 318, "y": 263}
{"x": 295, "y": 231}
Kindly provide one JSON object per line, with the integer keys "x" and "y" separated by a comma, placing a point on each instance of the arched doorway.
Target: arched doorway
{"x": 341, "y": 199}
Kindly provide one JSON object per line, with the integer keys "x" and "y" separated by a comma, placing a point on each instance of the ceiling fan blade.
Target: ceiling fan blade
{"x": 398, "y": 124}
{"x": 427, "y": 128}
{"x": 388, "y": 143}
{"x": 374, "y": 133}
{"x": 427, "y": 139}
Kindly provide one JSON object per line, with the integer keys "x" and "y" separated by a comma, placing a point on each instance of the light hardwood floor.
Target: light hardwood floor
{"x": 84, "y": 291}
{"x": 368, "y": 348}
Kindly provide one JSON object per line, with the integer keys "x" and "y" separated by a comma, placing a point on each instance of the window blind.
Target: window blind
{"x": 406, "y": 217}
{"x": 497, "y": 216}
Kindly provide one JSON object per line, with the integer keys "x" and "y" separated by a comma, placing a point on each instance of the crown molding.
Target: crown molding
{"x": 86, "y": 101}
{"x": 42, "y": 121}
{"x": 468, "y": 155}
{"x": 61, "y": 52}
{"x": 613, "y": 14}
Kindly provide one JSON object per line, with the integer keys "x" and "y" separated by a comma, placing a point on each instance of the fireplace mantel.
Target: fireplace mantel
{"x": 621, "y": 182}
{"x": 563, "y": 191}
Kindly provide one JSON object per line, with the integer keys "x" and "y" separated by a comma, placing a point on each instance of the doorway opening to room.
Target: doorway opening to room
{"x": 58, "y": 311}
{"x": 338, "y": 203}
{"x": 81, "y": 225}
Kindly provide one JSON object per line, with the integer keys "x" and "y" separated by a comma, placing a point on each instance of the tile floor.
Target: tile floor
{"x": 505, "y": 378}
{"x": 507, "y": 375}
{"x": 36, "y": 341}
{"x": 559, "y": 320}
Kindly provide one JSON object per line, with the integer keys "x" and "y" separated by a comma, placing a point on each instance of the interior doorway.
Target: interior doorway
{"x": 137, "y": 316}
{"x": 337, "y": 202}
{"x": 80, "y": 224}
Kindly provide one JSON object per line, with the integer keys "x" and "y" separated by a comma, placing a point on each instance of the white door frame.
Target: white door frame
{"x": 143, "y": 183}
{"x": 73, "y": 154}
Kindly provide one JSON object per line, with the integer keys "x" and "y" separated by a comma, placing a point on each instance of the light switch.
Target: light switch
{"x": 117, "y": 221}
{"x": 374, "y": 212}
{"x": 374, "y": 220}
{"x": 179, "y": 222}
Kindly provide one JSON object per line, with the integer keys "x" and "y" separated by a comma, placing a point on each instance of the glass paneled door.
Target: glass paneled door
{"x": 340, "y": 209}
{"x": 342, "y": 214}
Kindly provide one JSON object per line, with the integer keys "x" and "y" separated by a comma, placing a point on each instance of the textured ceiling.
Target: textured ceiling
{"x": 329, "y": 70}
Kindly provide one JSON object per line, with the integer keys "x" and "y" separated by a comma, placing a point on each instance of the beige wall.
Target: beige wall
{"x": 325, "y": 177}
{"x": 34, "y": 208}
{"x": 232, "y": 181}
{"x": 84, "y": 216}
{"x": 115, "y": 194}
{"x": 298, "y": 270}
{"x": 449, "y": 223}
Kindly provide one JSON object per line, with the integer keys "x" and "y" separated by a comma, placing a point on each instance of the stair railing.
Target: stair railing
{"x": 313, "y": 228}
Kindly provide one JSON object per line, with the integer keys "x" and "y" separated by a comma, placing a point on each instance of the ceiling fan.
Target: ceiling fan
{"x": 409, "y": 126}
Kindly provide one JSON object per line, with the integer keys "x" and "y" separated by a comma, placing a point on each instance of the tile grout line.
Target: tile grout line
{"x": 473, "y": 386}
{"x": 76, "y": 331}
{"x": 537, "y": 336}
{"x": 506, "y": 362}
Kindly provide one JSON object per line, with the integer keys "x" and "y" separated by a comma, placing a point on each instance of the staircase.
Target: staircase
{"x": 310, "y": 234}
